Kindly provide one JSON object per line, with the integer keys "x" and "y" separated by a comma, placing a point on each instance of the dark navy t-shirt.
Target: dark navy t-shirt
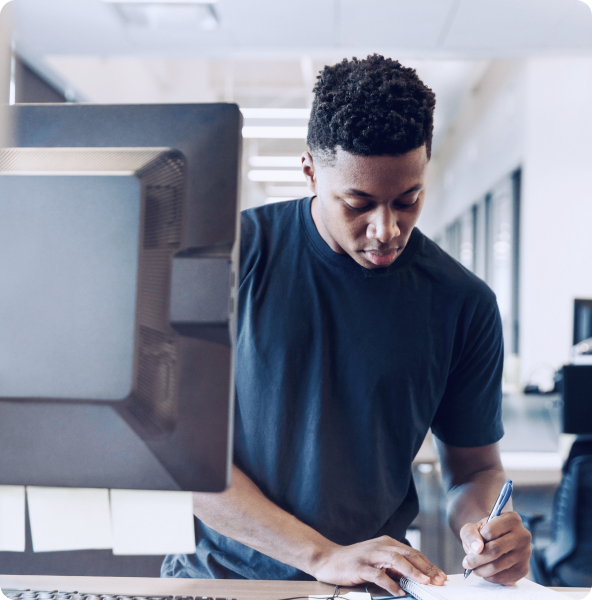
{"x": 340, "y": 372}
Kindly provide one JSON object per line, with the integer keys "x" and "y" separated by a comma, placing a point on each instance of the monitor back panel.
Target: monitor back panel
{"x": 157, "y": 437}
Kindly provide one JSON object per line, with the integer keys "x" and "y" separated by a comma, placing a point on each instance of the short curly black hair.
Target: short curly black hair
{"x": 370, "y": 107}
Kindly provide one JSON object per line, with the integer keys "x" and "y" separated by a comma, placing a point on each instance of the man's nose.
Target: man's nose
{"x": 383, "y": 226}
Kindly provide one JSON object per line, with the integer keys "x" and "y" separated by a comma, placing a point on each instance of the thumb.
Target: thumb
{"x": 471, "y": 539}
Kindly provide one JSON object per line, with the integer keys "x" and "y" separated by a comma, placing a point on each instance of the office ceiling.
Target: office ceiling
{"x": 406, "y": 28}
{"x": 266, "y": 53}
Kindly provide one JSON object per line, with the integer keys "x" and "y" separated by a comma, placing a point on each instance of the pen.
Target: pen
{"x": 501, "y": 501}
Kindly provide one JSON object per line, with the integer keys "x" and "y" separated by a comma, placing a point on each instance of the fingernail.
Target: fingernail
{"x": 475, "y": 546}
{"x": 465, "y": 564}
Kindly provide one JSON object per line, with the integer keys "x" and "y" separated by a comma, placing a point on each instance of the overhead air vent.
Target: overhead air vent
{"x": 166, "y": 14}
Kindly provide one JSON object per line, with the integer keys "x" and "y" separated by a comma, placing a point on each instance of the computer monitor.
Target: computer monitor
{"x": 582, "y": 329}
{"x": 577, "y": 399}
{"x": 119, "y": 229}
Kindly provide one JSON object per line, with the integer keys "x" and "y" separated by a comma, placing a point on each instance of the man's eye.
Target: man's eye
{"x": 357, "y": 208}
{"x": 405, "y": 204}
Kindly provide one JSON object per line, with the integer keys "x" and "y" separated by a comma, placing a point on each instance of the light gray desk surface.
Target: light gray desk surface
{"x": 228, "y": 588}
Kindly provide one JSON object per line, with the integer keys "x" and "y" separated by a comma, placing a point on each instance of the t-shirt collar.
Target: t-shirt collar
{"x": 345, "y": 261}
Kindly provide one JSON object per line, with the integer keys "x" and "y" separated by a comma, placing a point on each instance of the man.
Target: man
{"x": 356, "y": 335}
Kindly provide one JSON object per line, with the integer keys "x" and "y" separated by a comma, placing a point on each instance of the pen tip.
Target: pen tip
{"x": 467, "y": 573}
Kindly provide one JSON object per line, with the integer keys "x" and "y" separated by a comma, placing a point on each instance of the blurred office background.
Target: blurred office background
{"x": 510, "y": 178}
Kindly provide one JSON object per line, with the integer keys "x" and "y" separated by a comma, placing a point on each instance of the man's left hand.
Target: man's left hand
{"x": 498, "y": 551}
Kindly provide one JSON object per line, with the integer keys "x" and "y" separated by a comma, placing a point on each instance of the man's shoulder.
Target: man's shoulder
{"x": 446, "y": 271}
{"x": 267, "y": 229}
{"x": 265, "y": 219}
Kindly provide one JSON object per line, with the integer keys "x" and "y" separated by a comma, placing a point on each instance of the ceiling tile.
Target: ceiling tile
{"x": 64, "y": 26}
{"x": 281, "y": 24}
{"x": 511, "y": 26}
{"x": 394, "y": 23}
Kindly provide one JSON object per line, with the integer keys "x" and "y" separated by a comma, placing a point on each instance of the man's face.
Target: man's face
{"x": 367, "y": 206}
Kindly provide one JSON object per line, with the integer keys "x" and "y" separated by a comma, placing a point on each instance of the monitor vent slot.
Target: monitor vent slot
{"x": 155, "y": 391}
{"x": 164, "y": 179}
{"x": 156, "y": 385}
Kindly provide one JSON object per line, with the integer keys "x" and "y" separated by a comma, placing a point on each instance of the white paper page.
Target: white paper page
{"x": 476, "y": 588}
{"x": 69, "y": 519}
{"x": 12, "y": 518}
{"x": 147, "y": 522}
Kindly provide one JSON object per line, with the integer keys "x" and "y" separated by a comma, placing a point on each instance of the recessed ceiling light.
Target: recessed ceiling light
{"x": 275, "y": 132}
{"x": 277, "y": 176}
{"x": 159, "y": 1}
{"x": 275, "y": 161}
{"x": 276, "y": 113}
{"x": 287, "y": 191}
{"x": 160, "y": 14}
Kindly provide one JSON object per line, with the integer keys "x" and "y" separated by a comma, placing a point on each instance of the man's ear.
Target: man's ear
{"x": 308, "y": 169}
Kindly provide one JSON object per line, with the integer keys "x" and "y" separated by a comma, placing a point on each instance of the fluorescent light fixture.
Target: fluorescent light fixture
{"x": 276, "y": 113}
{"x": 159, "y": 14}
{"x": 158, "y": 1}
{"x": 297, "y": 133}
{"x": 287, "y": 191}
{"x": 275, "y": 161}
{"x": 273, "y": 199}
{"x": 283, "y": 176}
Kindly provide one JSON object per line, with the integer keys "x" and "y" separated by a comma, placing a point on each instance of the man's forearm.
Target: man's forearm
{"x": 244, "y": 514}
{"x": 472, "y": 500}
{"x": 473, "y": 478}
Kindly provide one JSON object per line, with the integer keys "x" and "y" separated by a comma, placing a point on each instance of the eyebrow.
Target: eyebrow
{"x": 361, "y": 194}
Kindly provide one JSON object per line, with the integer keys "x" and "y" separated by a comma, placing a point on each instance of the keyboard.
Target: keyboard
{"x": 56, "y": 595}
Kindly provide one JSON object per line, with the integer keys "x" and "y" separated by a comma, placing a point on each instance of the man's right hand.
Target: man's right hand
{"x": 376, "y": 561}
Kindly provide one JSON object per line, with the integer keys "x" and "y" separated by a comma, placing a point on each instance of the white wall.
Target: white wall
{"x": 537, "y": 114}
{"x": 121, "y": 80}
{"x": 483, "y": 144}
{"x": 556, "y": 260}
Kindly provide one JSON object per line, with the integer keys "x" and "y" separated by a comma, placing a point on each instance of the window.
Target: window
{"x": 485, "y": 239}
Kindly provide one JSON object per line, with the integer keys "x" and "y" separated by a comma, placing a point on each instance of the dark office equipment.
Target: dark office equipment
{"x": 119, "y": 225}
{"x": 576, "y": 386}
{"x": 582, "y": 320}
{"x": 567, "y": 560}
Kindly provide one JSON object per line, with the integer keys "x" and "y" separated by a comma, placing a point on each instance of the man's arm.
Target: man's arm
{"x": 244, "y": 514}
{"x": 498, "y": 551}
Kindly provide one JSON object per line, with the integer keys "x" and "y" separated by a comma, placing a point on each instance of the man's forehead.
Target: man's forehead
{"x": 404, "y": 172}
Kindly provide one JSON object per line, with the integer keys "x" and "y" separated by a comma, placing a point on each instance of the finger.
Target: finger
{"x": 510, "y": 576}
{"x": 381, "y": 579}
{"x": 491, "y": 552}
{"x": 471, "y": 538}
{"x": 419, "y": 561}
{"x": 502, "y": 525}
{"x": 503, "y": 563}
{"x": 397, "y": 562}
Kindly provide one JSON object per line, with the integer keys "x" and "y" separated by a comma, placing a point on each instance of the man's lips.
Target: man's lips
{"x": 381, "y": 258}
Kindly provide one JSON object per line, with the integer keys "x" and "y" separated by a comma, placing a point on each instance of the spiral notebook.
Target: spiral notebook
{"x": 475, "y": 588}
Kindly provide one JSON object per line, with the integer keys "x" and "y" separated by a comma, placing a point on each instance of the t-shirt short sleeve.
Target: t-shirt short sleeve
{"x": 469, "y": 413}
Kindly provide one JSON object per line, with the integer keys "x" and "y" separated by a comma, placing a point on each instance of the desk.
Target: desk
{"x": 228, "y": 588}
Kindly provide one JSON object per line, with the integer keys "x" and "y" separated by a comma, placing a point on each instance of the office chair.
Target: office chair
{"x": 567, "y": 560}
